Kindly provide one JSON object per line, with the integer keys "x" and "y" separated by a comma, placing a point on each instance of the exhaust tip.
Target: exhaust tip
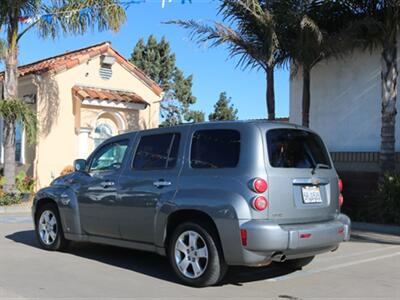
{"x": 278, "y": 257}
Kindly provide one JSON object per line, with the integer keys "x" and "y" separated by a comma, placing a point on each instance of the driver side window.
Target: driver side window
{"x": 109, "y": 157}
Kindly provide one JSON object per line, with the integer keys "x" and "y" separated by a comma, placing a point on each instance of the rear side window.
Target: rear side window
{"x": 215, "y": 149}
{"x": 292, "y": 148}
{"x": 157, "y": 152}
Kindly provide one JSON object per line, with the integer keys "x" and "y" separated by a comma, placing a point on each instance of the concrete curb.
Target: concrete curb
{"x": 14, "y": 209}
{"x": 376, "y": 228}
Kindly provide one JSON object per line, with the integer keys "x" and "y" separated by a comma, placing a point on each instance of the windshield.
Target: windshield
{"x": 293, "y": 148}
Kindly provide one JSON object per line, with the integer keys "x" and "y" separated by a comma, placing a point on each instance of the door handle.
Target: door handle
{"x": 161, "y": 183}
{"x": 106, "y": 184}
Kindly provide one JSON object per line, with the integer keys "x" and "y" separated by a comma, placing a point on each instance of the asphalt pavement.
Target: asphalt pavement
{"x": 367, "y": 267}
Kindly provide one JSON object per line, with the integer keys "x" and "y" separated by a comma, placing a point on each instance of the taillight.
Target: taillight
{"x": 340, "y": 183}
{"x": 259, "y": 185}
{"x": 260, "y": 203}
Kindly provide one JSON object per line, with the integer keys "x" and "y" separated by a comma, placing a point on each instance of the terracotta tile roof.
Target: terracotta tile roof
{"x": 102, "y": 94}
{"x": 71, "y": 59}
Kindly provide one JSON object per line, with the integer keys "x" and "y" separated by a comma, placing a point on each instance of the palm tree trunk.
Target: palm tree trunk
{"x": 306, "y": 97}
{"x": 270, "y": 93}
{"x": 10, "y": 92}
{"x": 389, "y": 74}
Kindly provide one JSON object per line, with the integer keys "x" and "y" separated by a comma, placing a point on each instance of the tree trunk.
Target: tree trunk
{"x": 9, "y": 156}
{"x": 389, "y": 74}
{"x": 270, "y": 93}
{"x": 10, "y": 93}
{"x": 306, "y": 97}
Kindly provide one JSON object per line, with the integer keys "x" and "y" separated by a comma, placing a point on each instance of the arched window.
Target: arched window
{"x": 102, "y": 132}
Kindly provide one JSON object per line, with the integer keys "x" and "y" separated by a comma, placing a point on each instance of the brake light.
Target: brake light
{"x": 340, "y": 183}
{"x": 341, "y": 200}
{"x": 260, "y": 203}
{"x": 259, "y": 185}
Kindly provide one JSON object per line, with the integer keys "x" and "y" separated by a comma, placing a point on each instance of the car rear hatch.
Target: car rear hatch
{"x": 302, "y": 182}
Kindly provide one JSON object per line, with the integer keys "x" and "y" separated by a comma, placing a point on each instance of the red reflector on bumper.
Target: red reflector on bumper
{"x": 243, "y": 235}
{"x": 341, "y": 231}
{"x": 305, "y": 235}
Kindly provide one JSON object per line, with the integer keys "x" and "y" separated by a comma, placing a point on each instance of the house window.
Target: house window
{"x": 101, "y": 133}
{"x": 19, "y": 142}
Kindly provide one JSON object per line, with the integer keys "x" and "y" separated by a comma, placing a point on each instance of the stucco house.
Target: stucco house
{"x": 346, "y": 109}
{"x": 81, "y": 98}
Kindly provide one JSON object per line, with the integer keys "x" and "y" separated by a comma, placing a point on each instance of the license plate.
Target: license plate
{"x": 311, "y": 194}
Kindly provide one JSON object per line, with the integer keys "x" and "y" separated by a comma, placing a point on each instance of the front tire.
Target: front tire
{"x": 195, "y": 255}
{"x": 49, "y": 229}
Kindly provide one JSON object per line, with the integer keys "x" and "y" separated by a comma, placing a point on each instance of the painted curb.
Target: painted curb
{"x": 376, "y": 228}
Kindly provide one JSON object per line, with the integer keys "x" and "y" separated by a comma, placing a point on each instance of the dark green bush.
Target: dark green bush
{"x": 10, "y": 199}
{"x": 389, "y": 196}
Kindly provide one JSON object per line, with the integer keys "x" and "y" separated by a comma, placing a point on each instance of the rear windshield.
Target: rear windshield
{"x": 293, "y": 148}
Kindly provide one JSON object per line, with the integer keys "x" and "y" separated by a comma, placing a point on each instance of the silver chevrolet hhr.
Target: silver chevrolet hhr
{"x": 208, "y": 196}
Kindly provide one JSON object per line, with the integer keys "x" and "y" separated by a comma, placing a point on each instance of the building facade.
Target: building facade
{"x": 346, "y": 109}
{"x": 81, "y": 98}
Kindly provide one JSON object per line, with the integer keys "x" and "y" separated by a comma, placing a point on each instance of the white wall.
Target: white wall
{"x": 345, "y": 103}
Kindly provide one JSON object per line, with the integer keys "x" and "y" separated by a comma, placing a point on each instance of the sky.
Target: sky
{"x": 212, "y": 69}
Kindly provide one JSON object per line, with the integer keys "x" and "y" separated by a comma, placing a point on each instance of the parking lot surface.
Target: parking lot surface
{"x": 367, "y": 267}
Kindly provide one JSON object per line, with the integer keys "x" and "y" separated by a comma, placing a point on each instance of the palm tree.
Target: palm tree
{"x": 309, "y": 32}
{"x": 253, "y": 39}
{"x": 58, "y": 17}
{"x": 375, "y": 26}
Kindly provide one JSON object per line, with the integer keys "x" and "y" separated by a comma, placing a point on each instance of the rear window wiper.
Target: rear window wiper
{"x": 320, "y": 166}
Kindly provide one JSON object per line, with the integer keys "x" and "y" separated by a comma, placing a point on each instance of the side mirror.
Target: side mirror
{"x": 80, "y": 165}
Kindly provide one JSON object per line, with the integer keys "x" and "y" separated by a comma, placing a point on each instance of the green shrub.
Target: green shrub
{"x": 389, "y": 196}
{"x": 24, "y": 183}
{"x": 10, "y": 199}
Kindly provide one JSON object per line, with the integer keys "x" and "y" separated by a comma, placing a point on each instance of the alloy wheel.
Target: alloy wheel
{"x": 191, "y": 254}
{"x": 48, "y": 227}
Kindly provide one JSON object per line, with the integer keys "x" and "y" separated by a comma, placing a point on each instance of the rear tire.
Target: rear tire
{"x": 49, "y": 229}
{"x": 195, "y": 255}
{"x": 298, "y": 263}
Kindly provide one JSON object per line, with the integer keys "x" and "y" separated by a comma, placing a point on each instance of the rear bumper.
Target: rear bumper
{"x": 264, "y": 239}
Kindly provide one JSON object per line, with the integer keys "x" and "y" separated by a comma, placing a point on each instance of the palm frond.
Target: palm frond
{"x": 219, "y": 34}
{"x": 70, "y": 17}
{"x": 12, "y": 110}
{"x": 3, "y": 49}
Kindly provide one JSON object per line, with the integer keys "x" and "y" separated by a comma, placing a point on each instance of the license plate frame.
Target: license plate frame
{"x": 311, "y": 194}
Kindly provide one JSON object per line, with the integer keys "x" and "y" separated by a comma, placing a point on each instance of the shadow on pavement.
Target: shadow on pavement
{"x": 149, "y": 263}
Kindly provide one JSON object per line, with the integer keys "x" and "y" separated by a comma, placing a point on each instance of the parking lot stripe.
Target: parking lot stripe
{"x": 324, "y": 259}
{"x": 334, "y": 267}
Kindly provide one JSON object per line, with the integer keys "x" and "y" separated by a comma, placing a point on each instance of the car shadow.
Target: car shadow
{"x": 148, "y": 263}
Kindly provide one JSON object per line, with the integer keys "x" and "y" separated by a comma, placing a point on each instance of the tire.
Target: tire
{"x": 196, "y": 249}
{"x": 49, "y": 229}
{"x": 299, "y": 263}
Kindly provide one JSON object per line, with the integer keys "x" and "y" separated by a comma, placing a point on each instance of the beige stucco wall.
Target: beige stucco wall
{"x": 58, "y": 142}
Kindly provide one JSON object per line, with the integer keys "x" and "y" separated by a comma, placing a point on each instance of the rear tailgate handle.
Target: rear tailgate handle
{"x": 161, "y": 183}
